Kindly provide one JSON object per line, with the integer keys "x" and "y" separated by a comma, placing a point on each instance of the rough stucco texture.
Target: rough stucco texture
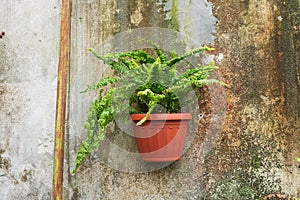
{"x": 181, "y": 180}
{"x": 254, "y": 156}
{"x": 261, "y": 133}
{"x": 257, "y": 46}
{"x": 28, "y": 67}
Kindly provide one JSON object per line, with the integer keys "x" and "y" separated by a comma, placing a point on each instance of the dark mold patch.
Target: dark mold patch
{"x": 2, "y": 34}
{"x": 289, "y": 43}
{"x": 27, "y": 173}
{"x": 75, "y": 195}
{"x": 5, "y": 162}
{"x": 10, "y": 102}
{"x": 259, "y": 137}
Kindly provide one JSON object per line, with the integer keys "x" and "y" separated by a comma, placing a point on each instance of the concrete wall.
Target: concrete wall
{"x": 28, "y": 70}
{"x": 257, "y": 146}
{"x": 246, "y": 152}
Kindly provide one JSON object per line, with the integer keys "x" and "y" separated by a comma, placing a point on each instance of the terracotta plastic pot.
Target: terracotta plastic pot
{"x": 162, "y": 137}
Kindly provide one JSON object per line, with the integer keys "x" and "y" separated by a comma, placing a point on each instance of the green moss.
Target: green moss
{"x": 188, "y": 20}
{"x": 251, "y": 173}
{"x": 256, "y": 162}
{"x": 174, "y": 23}
{"x": 254, "y": 95}
{"x": 235, "y": 188}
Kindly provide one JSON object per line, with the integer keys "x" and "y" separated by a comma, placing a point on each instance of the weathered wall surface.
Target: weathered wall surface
{"x": 260, "y": 42}
{"x": 258, "y": 53}
{"x": 28, "y": 68}
{"x": 106, "y": 175}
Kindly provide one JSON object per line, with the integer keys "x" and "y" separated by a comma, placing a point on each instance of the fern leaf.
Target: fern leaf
{"x": 177, "y": 59}
{"x": 160, "y": 54}
{"x": 101, "y": 83}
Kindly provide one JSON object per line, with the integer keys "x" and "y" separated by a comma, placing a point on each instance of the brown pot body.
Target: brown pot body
{"x": 162, "y": 137}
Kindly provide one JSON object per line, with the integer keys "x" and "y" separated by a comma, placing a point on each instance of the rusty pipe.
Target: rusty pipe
{"x": 62, "y": 78}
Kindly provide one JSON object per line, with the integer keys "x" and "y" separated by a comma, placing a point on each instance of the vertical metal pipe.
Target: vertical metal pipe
{"x": 62, "y": 79}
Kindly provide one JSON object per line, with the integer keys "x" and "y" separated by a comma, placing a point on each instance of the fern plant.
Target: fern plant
{"x": 147, "y": 84}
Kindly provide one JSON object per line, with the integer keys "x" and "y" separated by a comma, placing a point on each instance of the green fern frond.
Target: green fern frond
{"x": 177, "y": 59}
{"x": 160, "y": 54}
{"x": 200, "y": 83}
{"x": 153, "y": 85}
{"x": 98, "y": 117}
{"x": 101, "y": 83}
{"x": 110, "y": 61}
{"x": 150, "y": 99}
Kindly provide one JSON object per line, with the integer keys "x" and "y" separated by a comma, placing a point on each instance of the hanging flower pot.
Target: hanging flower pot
{"x": 146, "y": 84}
{"x": 161, "y": 138}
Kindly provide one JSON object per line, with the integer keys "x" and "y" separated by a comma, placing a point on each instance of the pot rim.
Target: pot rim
{"x": 162, "y": 116}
